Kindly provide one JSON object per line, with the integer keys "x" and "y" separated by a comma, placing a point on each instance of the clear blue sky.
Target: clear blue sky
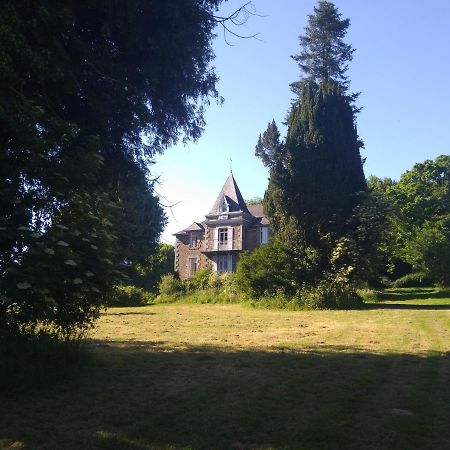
{"x": 401, "y": 66}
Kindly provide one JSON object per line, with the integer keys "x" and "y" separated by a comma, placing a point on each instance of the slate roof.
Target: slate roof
{"x": 232, "y": 195}
{"x": 258, "y": 212}
{"x": 196, "y": 226}
{"x": 235, "y": 202}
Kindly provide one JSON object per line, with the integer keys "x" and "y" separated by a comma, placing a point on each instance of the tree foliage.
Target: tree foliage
{"x": 419, "y": 207}
{"x": 89, "y": 92}
{"x": 269, "y": 147}
{"x": 316, "y": 174}
{"x": 275, "y": 268}
{"x": 158, "y": 263}
{"x": 324, "y": 55}
{"x": 317, "y": 193}
{"x": 324, "y": 161}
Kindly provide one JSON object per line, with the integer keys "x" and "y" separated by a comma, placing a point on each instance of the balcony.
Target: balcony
{"x": 224, "y": 245}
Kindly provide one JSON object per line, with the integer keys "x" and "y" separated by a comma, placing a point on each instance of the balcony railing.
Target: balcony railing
{"x": 226, "y": 245}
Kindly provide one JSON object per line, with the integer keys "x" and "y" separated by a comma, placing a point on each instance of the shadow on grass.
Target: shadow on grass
{"x": 142, "y": 396}
{"x": 430, "y": 307}
{"x": 129, "y": 313}
{"x": 411, "y": 294}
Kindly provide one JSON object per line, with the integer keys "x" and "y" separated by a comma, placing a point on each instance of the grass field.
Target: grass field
{"x": 186, "y": 376}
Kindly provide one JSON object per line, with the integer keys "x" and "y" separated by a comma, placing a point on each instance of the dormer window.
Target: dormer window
{"x": 223, "y": 208}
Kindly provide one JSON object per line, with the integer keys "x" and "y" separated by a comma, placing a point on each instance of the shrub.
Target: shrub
{"x": 417, "y": 279}
{"x": 330, "y": 294}
{"x": 200, "y": 280}
{"x": 276, "y": 268}
{"x": 204, "y": 296}
{"x": 129, "y": 296}
{"x": 369, "y": 295}
{"x": 170, "y": 286}
{"x": 215, "y": 281}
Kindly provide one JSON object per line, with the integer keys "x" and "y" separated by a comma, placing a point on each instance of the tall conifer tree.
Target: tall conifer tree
{"x": 320, "y": 172}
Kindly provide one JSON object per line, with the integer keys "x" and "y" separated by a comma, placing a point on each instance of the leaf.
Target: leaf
{"x": 23, "y": 285}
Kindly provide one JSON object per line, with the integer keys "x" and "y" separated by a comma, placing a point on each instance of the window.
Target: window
{"x": 192, "y": 266}
{"x": 224, "y": 263}
{"x": 263, "y": 235}
{"x": 223, "y": 238}
{"x": 194, "y": 241}
{"x": 223, "y": 206}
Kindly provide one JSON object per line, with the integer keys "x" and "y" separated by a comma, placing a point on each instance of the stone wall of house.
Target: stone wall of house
{"x": 244, "y": 238}
{"x": 183, "y": 252}
{"x": 251, "y": 240}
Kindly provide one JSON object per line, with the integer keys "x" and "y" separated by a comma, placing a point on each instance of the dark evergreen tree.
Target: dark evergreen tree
{"x": 324, "y": 55}
{"x": 80, "y": 84}
{"x": 272, "y": 152}
{"x": 318, "y": 172}
{"x": 324, "y": 162}
{"x": 269, "y": 147}
{"x": 317, "y": 183}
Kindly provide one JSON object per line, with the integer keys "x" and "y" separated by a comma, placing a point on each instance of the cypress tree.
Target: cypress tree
{"x": 318, "y": 175}
{"x": 324, "y": 163}
{"x": 324, "y": 55}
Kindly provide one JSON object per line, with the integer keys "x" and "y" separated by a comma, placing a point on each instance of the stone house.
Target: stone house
{"x": 230, "y": 228}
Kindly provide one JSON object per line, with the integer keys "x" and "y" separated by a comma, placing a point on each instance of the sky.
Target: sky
{"x": 401, "y": 67}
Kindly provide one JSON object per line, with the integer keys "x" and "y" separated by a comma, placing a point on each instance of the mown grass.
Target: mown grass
{"x": 217, "y": 376}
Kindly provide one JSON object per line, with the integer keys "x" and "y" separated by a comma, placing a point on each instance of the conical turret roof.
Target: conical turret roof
{"x": 232, "y": 196}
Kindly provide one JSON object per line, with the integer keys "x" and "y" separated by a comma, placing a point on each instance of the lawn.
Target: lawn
{"x": 186, "y": 376}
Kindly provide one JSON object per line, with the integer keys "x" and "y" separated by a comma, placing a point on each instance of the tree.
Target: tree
{"x": 324, "y": 162}
{"x": 429, "y": 250}
{"x": 272, "y": 153}
{"x": 269, "y": 147}
{"x": 257, "y": 200}
{"x": 423, "y": 192}
{"x": 81, "y": 84}
{"x": 316, "y": 174}
{"x": 160, "y": 262}
{"x": 418, "y": 218}
{"x": 324, "y": 55}
{"x": 316, "y": 197}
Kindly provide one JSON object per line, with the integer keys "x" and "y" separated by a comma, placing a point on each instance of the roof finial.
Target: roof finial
{"x": 231, "y": 165}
